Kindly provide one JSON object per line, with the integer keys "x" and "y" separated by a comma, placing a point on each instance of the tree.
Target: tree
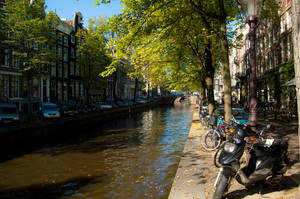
{"x": 28, "y": 32}
{"x": 296, "y": 42}
{"x": 93, "y": 55}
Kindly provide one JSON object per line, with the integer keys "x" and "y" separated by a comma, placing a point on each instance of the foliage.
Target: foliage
{"x": 93, "y": 55}
{"x": 165, "y": 40}
{"x": 288, "y": 71}
{"x": 29, "y": 32}
{"x": 269, "y": 12}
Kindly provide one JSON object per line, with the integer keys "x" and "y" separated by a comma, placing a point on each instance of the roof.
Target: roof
{"x": 70, "y": 22}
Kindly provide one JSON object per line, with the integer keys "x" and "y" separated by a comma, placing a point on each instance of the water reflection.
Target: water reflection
{"x": 134, "y": 157}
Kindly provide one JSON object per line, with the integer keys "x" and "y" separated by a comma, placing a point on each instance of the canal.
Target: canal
{"x": 131, "y": 157}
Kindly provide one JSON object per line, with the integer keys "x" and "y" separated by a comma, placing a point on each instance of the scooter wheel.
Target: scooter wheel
{"x": 221, "y": 186}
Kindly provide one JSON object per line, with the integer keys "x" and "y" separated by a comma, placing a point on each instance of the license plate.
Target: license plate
{"x": 52, "y": 115}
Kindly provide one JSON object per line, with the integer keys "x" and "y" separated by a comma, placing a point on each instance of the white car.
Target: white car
{"x": 9, "y": 114}
{"x": 48, "y": 111}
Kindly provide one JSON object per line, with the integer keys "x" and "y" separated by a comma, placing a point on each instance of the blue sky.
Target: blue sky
{"x": 66, "y": 8}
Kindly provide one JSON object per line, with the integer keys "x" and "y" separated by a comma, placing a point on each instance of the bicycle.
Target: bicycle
{"x": 212, "y": 139}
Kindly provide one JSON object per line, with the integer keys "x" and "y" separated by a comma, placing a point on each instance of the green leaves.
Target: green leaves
{"x": 166, "y": 40}
{"x": 28, "y": 31}
{"x": 93, "y": 57}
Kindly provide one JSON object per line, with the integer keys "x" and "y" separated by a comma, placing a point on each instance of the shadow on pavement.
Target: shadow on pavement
{"x": 286, "y": 184}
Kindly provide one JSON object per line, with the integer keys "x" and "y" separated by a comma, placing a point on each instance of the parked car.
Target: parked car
{"x": 239, "y": 115}
{"x": 66, "y": 110}
{"x": 9, "y": 114}
{"x": 48, "y": 110}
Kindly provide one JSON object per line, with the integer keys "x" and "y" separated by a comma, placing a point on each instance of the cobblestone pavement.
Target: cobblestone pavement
{"x": 289, "y": 188}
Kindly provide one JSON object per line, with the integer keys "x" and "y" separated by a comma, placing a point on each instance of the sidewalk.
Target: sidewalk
{"x": 196, "y": 172}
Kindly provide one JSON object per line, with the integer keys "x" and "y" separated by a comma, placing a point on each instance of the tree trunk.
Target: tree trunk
{"x": 225, "y": 64}
{"x": 210, "y": 94}
{"x": 296, "y": 42}
{"x": 202, "y": 94}
{"x": 209, "y": 77}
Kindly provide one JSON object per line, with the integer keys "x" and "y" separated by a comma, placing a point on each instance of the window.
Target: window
{"x": 3, "y": 85}
{"x": 15, "y": 62}
{"x": 275, "y": 31}
{"x": 282, "y": 24}
{"x": 72, "y": 68}
{"x": 277, "y": 57}
{"x": 72, "y": 89}
{"x": 73, "y": 39}
{"x": 77, "y": 69}
{"x": 77, "y": 89}
{"x": 81, "y": 89}
{"x": 59, "y": 91}
{"x": 35, "y": 88}
{"x": 59, "y": 50}
{"x": 60, "y": 39}
{"x": 59, "y": 70}
{"x": 53, "y": 70}
{"x": 289, "y": 19}
{"x": 66, "y": 41}
{"x": 272, "y": 54}
{"x": 65, "y": 92}
{"x": 14, "y": 92}
{"x": 66, "y": 71}
{"x": 65, "y": 54}
{"x": 72, "y": 52}
{"x": 7, "y": 57}
{"x": 291, "y": 47}
{"x": 284, "y": 50}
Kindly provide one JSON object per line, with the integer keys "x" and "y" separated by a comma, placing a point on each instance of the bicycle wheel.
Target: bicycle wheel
{"x": 211, "y": 140}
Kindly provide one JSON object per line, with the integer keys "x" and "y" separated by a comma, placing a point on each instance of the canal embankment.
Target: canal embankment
{"x": 188, "y": 182}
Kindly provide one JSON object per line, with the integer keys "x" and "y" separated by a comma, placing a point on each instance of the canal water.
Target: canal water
{"x": 132, "y": 157}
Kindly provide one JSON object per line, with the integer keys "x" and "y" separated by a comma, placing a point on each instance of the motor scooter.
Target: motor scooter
{"x": 267, "y": 159}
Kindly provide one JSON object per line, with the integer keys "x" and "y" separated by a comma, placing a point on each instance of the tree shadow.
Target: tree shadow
{"x": 264, "y": 188}
{"x": 51, "y": 191}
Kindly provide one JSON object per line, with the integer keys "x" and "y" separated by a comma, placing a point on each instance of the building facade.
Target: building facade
{"x": 274, "y": 49}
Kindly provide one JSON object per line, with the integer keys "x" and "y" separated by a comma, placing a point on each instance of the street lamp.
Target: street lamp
{"x": 253, "y": 7}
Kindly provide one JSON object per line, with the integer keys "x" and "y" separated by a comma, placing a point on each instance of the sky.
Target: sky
{"x": 66, "y": 8}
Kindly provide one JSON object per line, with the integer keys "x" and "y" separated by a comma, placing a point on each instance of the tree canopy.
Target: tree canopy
{"x": 29, "y": 32}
